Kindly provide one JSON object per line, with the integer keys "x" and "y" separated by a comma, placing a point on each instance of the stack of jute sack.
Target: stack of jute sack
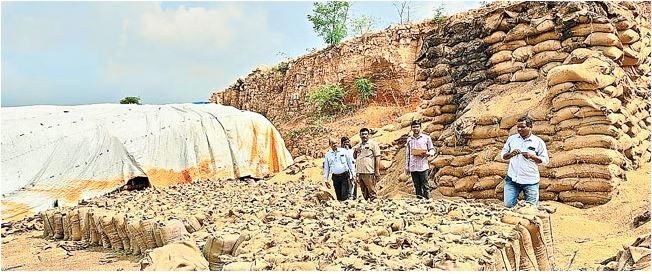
{"x": 633, "y": 257}
{"x": 578, "y": 69}
{"x": 259, "y": 225}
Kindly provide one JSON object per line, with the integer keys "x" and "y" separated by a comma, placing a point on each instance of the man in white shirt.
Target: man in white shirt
{"x": 524, "y": 151}
{"x": 339, "y": 163}
{"x": 346, "y": 144}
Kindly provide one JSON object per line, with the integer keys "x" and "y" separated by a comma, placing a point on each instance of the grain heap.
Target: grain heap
{"x": 291, "y": 226}
{"x": 579, "y": 69}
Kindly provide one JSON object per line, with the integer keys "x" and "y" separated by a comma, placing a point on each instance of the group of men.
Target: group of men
{"x": 360, "y": 165}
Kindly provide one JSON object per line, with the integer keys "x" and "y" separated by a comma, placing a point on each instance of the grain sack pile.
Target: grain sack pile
{"x": 580, "y": 70}
{"x": 64, "y": 154}
{"x": 293, "y": 226}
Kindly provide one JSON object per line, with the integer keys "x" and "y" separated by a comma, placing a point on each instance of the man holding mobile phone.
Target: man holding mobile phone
{"x": 524, "y": 151}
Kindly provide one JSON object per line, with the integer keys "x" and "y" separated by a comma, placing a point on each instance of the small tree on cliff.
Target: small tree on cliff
{"x": 130, "y": 100}
{"x": 329, "y": 20}
{"x": 362, "y": 24}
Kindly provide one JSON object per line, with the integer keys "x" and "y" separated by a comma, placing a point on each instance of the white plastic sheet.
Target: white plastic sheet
{"x": 69, "y": 153}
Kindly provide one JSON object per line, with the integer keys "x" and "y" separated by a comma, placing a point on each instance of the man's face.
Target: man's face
{"x": 523, "y": 129}
{"x": 416, "y": 129}
{"x": 346, "y": 144}
{"x": 333, "y": 145}
{"x": 364, "y": 136}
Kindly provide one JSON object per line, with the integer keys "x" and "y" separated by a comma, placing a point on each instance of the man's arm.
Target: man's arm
{"x": 349, "y": 162}
{"x": 505, "y": 154}
{"x": 376, "y": 152}
{"x": 326, "y": 169}
{"x": 407, "y": 156}
{"x": 430, "y": 147}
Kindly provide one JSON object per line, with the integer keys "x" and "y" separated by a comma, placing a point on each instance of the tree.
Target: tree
{"x": 403, "y": 10}
{"x": 130, "y": 100}
{"x": 329, "y": 20}
{"x": 362, "y": 24}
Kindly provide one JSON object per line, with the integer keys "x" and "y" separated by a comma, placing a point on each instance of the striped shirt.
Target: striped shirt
{"x": 414, "y": 162}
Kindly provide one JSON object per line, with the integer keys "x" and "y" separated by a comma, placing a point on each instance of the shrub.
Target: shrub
{"x": 365, "y": 87}
{"x": 329, "y": 99}
{"x": 130, "y": 100}
{"x": 282, "y": 67}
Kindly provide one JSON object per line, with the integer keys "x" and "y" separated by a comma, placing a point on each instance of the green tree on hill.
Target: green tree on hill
{"x": 329, "y": 20}
{"x": 130, "y": 100}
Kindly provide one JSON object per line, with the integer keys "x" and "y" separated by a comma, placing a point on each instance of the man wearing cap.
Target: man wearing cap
{"x": 524, "y": 151}
{"x": 418, "y": 148}
{"x": 339, "y": 163}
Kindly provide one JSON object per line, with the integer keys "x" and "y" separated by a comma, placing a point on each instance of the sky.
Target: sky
{"x": 74, "y": 53}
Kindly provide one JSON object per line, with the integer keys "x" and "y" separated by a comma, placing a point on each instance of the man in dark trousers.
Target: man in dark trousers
{"x": 367, "y": 165}
{"x": 418, "y": 148}
{"x": 339, "y": 163}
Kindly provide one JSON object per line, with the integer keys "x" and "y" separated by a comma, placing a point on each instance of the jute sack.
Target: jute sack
{"x": 446, "y": 191}
{"x": 628, "y": 36}
{"x": 629, "y": 61}
{"x": 140, "y": 245}
{"x": 587, "y": 198}
{"x": 503, "y": 78}
{"x": 103, "y": 238}
{"x": 629, "y": 51}
{"x": 548, "y": 45}
{"x": 558, "y": 185}
{"x": 444, "y": 119}
{"x": 435, "y": 82}
{"x": 624, "y": 24}
{"x": 441, "y": 161}
{"x": 543, "y": 128}
{"x": 65, "y": 223}
{"x": 540, "y": 59}
{"x": 586, "y": 29}
{"x": 500, "y": 46}
{"x": 483, "y": 194}
{"x": 613, "y": 91}
{"x": 462, "y": 160}
{"x": 430, "y": 127}
{"x": 173, "y": 231}
{"x": 158, "y": 238}
{"x": 551, "y": 35}
{"x": 111, "y": 231}
{"x": 488, "y": 154}
{"x": 84, "y": 224}
{"x": 458, "y": 172}
{"x": 543, "y": 70}
{"x": 505, "y": 67}
{"x": 93, "y": 235}
{"x": 441, "y": 100}
{"x": 595, "y": 185}
{"x": 590, "y": 71}
{"x": 612, "y": 52}
{"x": 542, "y": 25}
{"x": 572, "y": 43}
{"x": 446, "y": 181}
{"x": 482, "y": 143}
{"x": 488, "y": 169}
{"x": 178, "y": 256}
{"x": 119, "y": 221}
{"x": 560, "y": 88}
{"x": 147, "y": 229}
{"x": 580, "y": 55}
{"x": 570, "y": 112}
{"x": 221, "y": 244}
{"x": 487, "y": 183}
{"x": 593, "y": 120}
{"x": 585, "y": 98}
{"x": 440, "y": 70}
{"x": 48, "y": 228}
{"x": 608, "y": 130}
{"x": 603, "y": 39}
{"x": 591, "y": 141}
{"x": 75, "y": 225}
{"x": 191, "y": 223}
{"x": 524, "y": 75}
{"x": 465, "y": 184}
{"x": 58, "y": 225}
{"x": 519, "y": 32}
{"x": 522, "y": 54}
{"x": 484, "y": 132}
{"x": 599, "y": 156}
{"x": 494, "y": 37}
{"x": 588, "y": 171}
{"x": 528, "y": 259}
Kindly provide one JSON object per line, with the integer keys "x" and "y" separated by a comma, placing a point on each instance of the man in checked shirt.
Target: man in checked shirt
{"x": 419, "y": 147}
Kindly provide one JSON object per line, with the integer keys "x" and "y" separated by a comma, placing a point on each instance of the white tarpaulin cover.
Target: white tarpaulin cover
{"x": 69, "y": 153}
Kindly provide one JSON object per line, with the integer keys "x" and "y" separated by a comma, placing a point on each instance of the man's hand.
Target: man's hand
{"x": 327, "y": 185}
{"x": 514, "y": 153}
{"x": 407, "y": 171}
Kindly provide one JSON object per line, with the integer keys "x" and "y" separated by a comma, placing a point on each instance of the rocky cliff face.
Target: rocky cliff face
{"x": 386, "y": 58}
